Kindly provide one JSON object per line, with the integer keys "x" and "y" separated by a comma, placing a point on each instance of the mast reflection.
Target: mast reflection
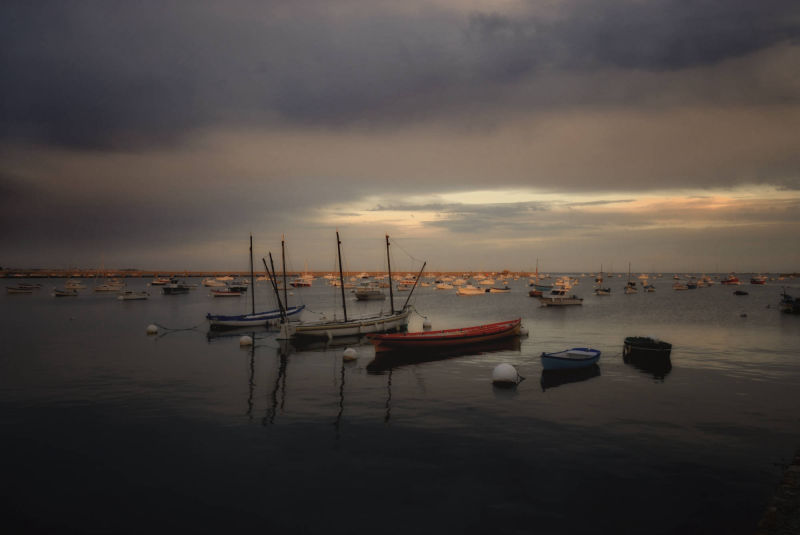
{"x": 279, "y": 386}
{"x": 658, "y": 365}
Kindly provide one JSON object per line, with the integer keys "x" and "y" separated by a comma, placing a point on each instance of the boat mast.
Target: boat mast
{"x": 252, "y": 278}
{"x": 341, "y": 276}
{"x": 283, "y": 261}
{"x": 415, "y": 285}
{"x": 389, "y": 262}
{"x": 273, "y": 279}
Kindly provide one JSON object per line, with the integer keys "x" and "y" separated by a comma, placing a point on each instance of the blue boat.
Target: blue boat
{"x": 271, "y": 317}
{"x": 570, "y": 359}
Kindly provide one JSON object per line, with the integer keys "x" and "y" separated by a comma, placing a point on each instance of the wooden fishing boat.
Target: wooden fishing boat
{"x": 270, "y": 317}
{"x": 446, "y": 338}
{"x": 395, "y": 320}
{"x": 577, "y": 357}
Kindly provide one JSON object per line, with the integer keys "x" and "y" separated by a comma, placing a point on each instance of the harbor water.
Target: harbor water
{"x": 108, "y": 430}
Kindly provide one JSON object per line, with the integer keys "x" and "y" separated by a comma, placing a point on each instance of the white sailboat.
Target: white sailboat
{"x": 630, "y": 288}
{"x": 377, "y": 323}
{"x": 599, "y": 289}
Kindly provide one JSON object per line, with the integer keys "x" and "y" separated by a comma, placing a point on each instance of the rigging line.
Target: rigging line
{"x": 396, "y": 244}
{"x": 177, "y": 329}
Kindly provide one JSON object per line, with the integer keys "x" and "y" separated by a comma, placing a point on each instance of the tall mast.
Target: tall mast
{"x": 389, "y": 262}
{"x": 341, "y": 276}
{"x": 283, "y": 261}
{"x": 274, "y": 281}
{"x": 252, "y": 278}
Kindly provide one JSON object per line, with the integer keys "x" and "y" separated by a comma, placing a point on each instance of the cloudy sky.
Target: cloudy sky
{"x": 480, "y": 135}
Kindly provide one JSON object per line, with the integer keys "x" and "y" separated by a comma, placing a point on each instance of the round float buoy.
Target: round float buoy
{"x": 245, "y": 341}
{"x": 152, "y": 329}
{"x": 505, "y": 375}
{"x": 426, "y": 324}
{"x": 349, "y": 355}
{"x": 523, "y": 331}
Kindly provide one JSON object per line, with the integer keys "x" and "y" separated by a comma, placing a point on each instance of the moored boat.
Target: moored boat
{"x": 469, "y": 289}
{"x": 225, "y": 292}
{"x": 558, "y": 297}
{"x": 270, "y": 317}
{"x": 395, "y": 320}
{"x": 496, "y": 290}
{"x": 369, "y": 291}
{"x": 65, "y": 292}
{"x": 644, "y": 344}
{"x": 789, "y": 304}
{"x": 758, "y": 279}
{"x": 175, "y": 287}
{"x": 577, "y": 357}
{"x": 731, "y": 279}
{"x": 446, "y": 338}
{"x": 18, "y": 290}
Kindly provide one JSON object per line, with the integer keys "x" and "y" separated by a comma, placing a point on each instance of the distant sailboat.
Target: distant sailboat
{"x": 599, "y": 289}
{"x": 630, "y": 288}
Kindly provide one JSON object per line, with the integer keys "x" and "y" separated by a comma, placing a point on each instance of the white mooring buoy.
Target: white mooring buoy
{"x": 523, "y": 331}
{"x": 349, "y": 355}
{"x": 505, "y": 375}
{"x": 152, "y": 329}
{"x": 245, "y": 341}
{"x": 426, "y": 324}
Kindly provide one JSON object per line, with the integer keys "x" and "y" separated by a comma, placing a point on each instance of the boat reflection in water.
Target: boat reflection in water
{"x": 656, "y": 364}
{"x": 554, "y": 378}
{"x": 648, "y": 355}
{"x": 389, "y": 360}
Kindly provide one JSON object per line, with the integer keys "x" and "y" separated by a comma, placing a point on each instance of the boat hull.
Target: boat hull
{"x": 450, "y": 338}
{"x": 577, "y": 357}
{"x": 356, "y": 327}
{"x": 271, "y": 317}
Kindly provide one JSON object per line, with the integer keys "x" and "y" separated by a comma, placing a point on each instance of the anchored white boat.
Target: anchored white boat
{"x": 558, "y": 297}
{"x": 469, "y": 289}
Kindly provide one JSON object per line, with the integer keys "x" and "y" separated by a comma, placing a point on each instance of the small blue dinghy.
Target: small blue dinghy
{"x": 577, "y": 357}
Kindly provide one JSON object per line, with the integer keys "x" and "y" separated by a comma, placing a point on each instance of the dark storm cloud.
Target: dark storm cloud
{"x": 128, "y": 74}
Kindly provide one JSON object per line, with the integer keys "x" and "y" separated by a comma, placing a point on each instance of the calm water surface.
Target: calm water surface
{"x": 106, "y": 429}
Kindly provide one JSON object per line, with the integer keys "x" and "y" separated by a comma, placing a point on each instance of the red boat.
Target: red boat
{"x": 731, "y": 279}
{"x": 447, "y": 338}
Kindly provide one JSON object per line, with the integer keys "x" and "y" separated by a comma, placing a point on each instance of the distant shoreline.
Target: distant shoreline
{"x": 148, "y": 273}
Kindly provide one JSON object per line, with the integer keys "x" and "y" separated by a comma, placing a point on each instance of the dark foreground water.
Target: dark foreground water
{"x": 107, "y": 430}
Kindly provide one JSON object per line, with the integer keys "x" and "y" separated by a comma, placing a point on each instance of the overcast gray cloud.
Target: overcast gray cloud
{"x": 160, "y": 132}
{"x": 100, "y": 74}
